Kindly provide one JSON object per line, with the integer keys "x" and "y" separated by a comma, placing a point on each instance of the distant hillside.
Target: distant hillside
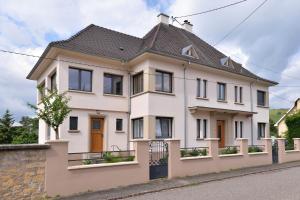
{"x": 276, "y": 114}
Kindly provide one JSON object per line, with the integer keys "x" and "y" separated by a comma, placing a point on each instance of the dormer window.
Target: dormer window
{"x": 189, "y": 51}
{"x": 227, "y": 62}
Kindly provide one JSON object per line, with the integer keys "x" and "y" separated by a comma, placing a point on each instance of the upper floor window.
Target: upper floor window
{"x": 80, "y": 79}
{"x": 113, "y": 84}
{"x": 42, "y": 90}
{"x": 261, "y": 130}
{"x": 261, "y": 98}
{"x": 221, "y": 91}
{"x": 138, "y": 83}
{"x": 163, "y": 127}
{"x": 238, "y": 94}
{"x": 138, "y": 128}
{"x": 163, "y": 81}
{"x": 53, "y": 82}
{"x": 201, "y": 88}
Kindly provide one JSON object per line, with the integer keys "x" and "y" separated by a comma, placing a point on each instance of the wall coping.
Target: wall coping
{"x": 16, "y": 147}
{"x": 280, "y": 139}
{"x": 257, "y": 153}
{"x": 292, "y": 151}
{"x": 211, "y": 139}
{"x": 230, "y": 155}
{"x": 102, "y": 165}
{"x": 57, "y": 141}
{"x": 195, "y": 158}
{"x": 245, "y": 139}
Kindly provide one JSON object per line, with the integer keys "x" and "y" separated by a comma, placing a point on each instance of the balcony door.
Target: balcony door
{"x": 97, "y": 134}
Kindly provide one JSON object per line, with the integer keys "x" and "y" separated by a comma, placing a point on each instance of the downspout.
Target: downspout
{"x": 251, "y": 103}
{"x": 129, "y": 110}
{"x": 185, "y": 108}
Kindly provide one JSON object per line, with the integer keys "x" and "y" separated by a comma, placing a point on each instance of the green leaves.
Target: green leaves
{"x": 53, "y": 108}
{"x": 293, "y": 124}
{"x": 6, "y": 130}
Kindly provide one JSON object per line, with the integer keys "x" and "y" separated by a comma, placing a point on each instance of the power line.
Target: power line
{"x": 280, "y": 97}
{"x": 211, "y": 10}
{"x": 244, "y": 20}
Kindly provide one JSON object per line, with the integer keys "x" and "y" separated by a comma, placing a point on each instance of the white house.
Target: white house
{"x": 168, "y": 84}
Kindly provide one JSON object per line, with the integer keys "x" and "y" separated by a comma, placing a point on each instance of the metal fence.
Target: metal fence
{"x": 194, "y": 151}
{"x": 229, "y": 150}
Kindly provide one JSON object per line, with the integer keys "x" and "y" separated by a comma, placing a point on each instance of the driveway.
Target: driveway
{"x": 280, "y": 185}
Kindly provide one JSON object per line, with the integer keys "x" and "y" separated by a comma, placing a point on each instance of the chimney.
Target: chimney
{"x": 187, "y": 26}
{"x": 163, "y": 18}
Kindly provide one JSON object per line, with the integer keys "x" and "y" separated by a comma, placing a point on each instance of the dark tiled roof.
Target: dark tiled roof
{"x": 162, "y": 39}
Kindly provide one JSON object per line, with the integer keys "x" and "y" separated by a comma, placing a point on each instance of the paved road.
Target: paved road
{"x": 274, "y": 185}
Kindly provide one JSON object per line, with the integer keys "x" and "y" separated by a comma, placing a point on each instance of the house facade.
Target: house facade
{"x": 168, "y": 84}
{"x": 280, "y": 124}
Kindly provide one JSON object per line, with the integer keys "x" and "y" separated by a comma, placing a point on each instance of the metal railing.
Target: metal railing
{"x": 87, "y": 158}
{"x": 229, "y": 150}
{"x": 194, "y": 151}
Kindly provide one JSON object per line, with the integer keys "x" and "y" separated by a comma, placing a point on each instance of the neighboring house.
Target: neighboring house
{"x": 168, "y": 84}
{"x": 280, "y": 124}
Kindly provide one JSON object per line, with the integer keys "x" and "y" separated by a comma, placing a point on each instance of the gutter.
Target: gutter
{"x": 251, "y": 103}
{"x": 185, "y": 106}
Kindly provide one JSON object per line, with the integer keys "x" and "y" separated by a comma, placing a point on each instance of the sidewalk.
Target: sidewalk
{"x": 165, "y": 184}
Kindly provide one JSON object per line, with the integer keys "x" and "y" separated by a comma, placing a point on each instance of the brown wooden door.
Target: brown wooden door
{"x": 97, "y": 134}
{"x": 221, "y": 132}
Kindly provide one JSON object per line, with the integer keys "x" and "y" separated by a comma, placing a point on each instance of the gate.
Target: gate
{"x": 158, "y": 159}
{"x": 275, "y": 152}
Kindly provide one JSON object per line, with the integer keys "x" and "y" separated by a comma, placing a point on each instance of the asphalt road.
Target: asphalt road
{"x": 273, "y": 185}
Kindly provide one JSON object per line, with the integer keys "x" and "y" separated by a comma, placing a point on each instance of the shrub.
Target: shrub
{"x": 254, "y": 149}
{"x": 183, "y": 153}
{"x": 203, "y": 152}
{"x": 130, "y": 158}
{"x": 195, "y": 152}
{"x": 229, "y": 150}
{"x": 293, "y": 124}
{"x": 86, "y": 162}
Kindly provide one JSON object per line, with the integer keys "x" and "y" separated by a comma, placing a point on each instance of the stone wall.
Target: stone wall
{"x": 22, "y": 171}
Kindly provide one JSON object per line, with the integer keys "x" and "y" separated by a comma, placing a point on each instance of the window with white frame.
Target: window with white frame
{"x": 119, "y": 124}
{"x": 163, "y": 127}
{"x": 201, "y": 128}
{"x": 238, "y": 129}
{"x": 221, "y": 91}
{"x": 238, "y": 94}
{"x": 137, "y": 128}
{"x": 261, "y": 130}
{"x": 201, "y": 88}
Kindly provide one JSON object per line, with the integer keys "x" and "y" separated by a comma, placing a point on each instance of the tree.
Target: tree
{"x": 53, "y": 109}
{"x": 273, "y": 128}
{"x": 28, "y": 132}
{"x": 6, "y": 128}
{"x": 293, "y": 124}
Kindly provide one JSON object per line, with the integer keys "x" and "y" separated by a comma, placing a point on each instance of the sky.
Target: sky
{"x": 268, "y": 43}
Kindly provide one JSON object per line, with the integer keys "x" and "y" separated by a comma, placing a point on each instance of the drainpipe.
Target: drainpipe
{"x": 251, "y": 103}
{"x": 129, "y": 110}
{"x": 185, "y": 108}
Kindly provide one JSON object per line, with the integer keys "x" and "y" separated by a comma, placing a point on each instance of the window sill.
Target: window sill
{"x": 74, "y": 131}
{"x": 222, "y": 101}
{"x": 202, "y": 98}
{"x": 119, "y": 131}
{"x": 200, "y": 139}
{"x": 237, "y": 103}
{"x": 138, "y": 94}
{"x": 259, "y": 106}
{"x": 114, "y": 95}
{"x": 165, "y": 93}
{"x": 78, "y": 91}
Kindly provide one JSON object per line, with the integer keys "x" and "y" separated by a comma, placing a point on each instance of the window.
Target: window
{"x": 163, "y": 127}
{"x": 261, "y": 130}
{"x": 201, "y": 134}
{"x": 241, "y": 129}
{"x": 80, "y": 79}
{"x": 221, "y": 91}
{"x": 73, "y": 123}
{"x": 163, "y": 81}
{"x": 53, "y": 82}
{"x": 137, "y": 128}
{"x": 113, "y": 84}
{"x": 238, "y": 94}
{"x": 138, "y": 83}
{"x": 261, "y": 98}
{"x": 201, "y": 91}
{"x": 236, "y": 129}
{"x": 119, "y": 124}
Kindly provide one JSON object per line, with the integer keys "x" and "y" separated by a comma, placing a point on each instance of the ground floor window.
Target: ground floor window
{"x": 138, "y": 128}
{"x": 73, "y": 125}
{"x": 163, "y": 127}
{"x": 201, "y": 128}
{"x": 261, "y": 130}
{"x": 238, "y": 129}
{"x": 119, "y": 124}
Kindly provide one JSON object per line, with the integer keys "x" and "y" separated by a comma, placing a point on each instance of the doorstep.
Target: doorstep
{"x": 166, "y": 184}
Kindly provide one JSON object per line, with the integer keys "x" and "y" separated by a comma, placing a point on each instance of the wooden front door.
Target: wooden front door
{"x": 97, "y": 134}
{"x": 221, "y": 132}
